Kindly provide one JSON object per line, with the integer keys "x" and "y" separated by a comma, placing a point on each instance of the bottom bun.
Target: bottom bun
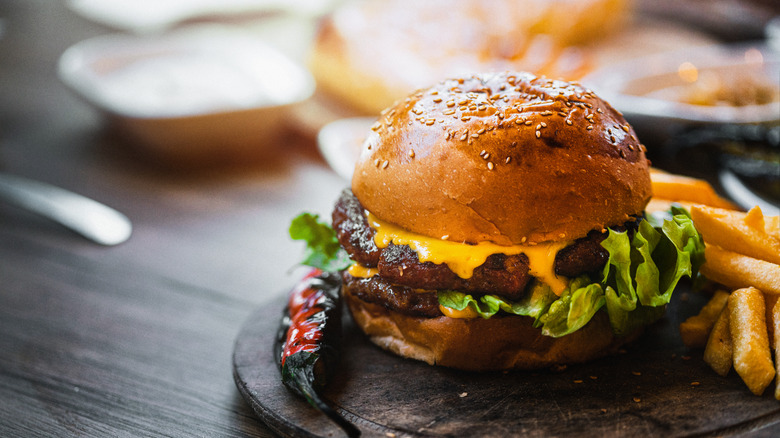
{"x": 498, "y": 343}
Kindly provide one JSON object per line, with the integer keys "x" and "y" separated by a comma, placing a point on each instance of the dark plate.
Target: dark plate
{"x": 656, "y": 387}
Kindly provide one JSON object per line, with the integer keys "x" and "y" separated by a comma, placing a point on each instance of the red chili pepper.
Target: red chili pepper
{"x": 308, "y": 340}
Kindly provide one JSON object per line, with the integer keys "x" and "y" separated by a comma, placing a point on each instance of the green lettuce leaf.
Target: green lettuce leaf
{"x": 534, "y": 304}
{"x": 322, "y": 247}
{"x": 576, "y": 306}
{"x": 636, "y": 284}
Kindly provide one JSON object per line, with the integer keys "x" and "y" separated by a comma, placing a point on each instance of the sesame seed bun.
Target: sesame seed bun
{"x": 497, "y": 343}
{"x": 509, "y": 158}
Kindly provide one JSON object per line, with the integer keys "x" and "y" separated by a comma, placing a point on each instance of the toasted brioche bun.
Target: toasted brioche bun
{"x": 509, "y": 158}
{"x": 498, "y": 343}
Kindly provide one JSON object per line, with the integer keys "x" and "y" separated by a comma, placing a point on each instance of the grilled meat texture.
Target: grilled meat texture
{"x": 504, "y": 275}
{"x": 396, "y": 298}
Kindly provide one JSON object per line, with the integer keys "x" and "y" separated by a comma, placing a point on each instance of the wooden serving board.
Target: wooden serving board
{"x": 657, "y": 387}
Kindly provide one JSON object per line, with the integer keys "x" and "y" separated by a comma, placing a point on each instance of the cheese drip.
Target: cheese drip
{"x": 360, "y": 271}
{"x": 463, "y": 258}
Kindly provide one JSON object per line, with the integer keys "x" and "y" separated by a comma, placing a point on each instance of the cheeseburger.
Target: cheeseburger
{"x": 496, "y": 222}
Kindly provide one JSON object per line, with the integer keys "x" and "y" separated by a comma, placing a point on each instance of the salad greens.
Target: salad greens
{"x": 323, "y": 250}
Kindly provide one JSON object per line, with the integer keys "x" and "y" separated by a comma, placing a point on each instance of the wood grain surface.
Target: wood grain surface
{"x": 655, "y": 388}
{"x": 133, "y": 340}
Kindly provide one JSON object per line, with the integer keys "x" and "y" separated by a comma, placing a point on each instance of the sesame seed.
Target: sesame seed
{"x": 411, "y": 153}
{"x": 695, "y": 383}
{"x": 448, "y": 112}
{"x": 490, "y": 165}
{"x": 538, "y": 134}
{"x": 481, "y": 131}
{"x": 568, "y": 122}
{"x": 636, "y": 373}
{"x": 475, "y": 135}
{"x": 466, "y": 118}
{"x": 637, "y": 399}
{"x": 445, "y": 237}
{"x": 437, "y": 100}
{"x": 385, "y": 164}
{"x": 612, "y": 138}
{"x": 464, "y": 136}
{"x": 625, "y": 128}
{"x": 376, "y": 126}
{"x": 450, "y": 103}
{"x": 430, "y": 122}
{"x": 589, "y": 127}
{"x": 578, "y": 381}
{"x": 528, "y": 123}
{"x": 376, "y": 162}
{"x": 544, "y": 125}
{"x": 508, "y": 159}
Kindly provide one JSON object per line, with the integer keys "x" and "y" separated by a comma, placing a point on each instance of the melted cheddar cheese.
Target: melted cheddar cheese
{"x": 360, "y": 271}
{"x": 463, "y": 258}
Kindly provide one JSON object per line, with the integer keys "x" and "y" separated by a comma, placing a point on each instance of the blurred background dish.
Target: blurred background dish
{"x": 194, "y": 94}
{"x": 340, "y": 142}
{"x": 158, "y": 15}
{"x": 367, "y": 54}
{"x": 662, "y": 94}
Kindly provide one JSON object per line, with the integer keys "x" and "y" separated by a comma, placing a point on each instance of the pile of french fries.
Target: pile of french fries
{"x": 738, "y": 327}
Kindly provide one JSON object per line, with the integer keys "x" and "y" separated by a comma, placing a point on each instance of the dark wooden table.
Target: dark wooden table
{"x": 137, "y": 339}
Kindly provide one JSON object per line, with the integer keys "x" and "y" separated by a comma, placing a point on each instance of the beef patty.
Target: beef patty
{"x": 501, "y": 274}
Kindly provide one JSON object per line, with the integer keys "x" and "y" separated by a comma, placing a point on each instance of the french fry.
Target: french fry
{"x": 776, "y": 332}
{"x": 772, "y": 224}
{"x": 736, "y": 231}
{"x": 747, "y": 324}
{"x": 718, "y": 352}
{"x": 695, "y": 330}
{"x": 738, "y": 271}
{"x": 682, "y": 188}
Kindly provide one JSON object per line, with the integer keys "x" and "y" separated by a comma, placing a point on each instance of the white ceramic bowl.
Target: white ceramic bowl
{"x": 201, "y": 93}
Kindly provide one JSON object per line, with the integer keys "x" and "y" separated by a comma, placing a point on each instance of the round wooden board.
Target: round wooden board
{"x": 656, "y": 387}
